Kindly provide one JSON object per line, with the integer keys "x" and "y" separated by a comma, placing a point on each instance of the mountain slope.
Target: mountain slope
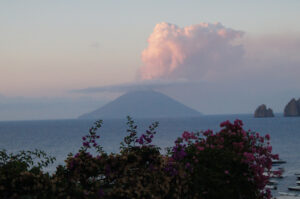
{"x": 142, "y": 104}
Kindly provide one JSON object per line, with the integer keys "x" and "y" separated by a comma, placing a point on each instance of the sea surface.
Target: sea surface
{"x": 60, "y": 137}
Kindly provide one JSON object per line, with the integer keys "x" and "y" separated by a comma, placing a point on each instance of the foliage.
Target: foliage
{"x": 21, "y": 174}
{"x": 232, "y": 163}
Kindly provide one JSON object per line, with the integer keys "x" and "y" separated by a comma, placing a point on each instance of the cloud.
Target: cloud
{"x": 139, "y": 85}
{"x": 191, "y": 52}
{"x": 24, "y": 108}
{"x": 272, "y": 49}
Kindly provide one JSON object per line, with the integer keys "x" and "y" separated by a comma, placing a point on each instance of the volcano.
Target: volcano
{"x": 142, "y": 104}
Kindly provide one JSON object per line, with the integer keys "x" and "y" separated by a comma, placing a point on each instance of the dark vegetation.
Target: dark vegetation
{"x": 232, "y": 163}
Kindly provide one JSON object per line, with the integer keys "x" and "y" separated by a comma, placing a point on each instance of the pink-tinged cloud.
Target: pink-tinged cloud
{"x": 191, "y": 52}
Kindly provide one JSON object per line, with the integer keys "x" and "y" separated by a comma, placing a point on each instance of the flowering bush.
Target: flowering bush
{"x": 232, "y": 163}
{"x": 136, "y": 172}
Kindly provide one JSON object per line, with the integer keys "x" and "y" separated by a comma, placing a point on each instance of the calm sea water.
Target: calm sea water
{"x": 60, "y": 137}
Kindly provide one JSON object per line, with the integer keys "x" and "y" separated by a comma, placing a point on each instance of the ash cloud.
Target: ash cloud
{"x": 192, "y": 52}
{"x": 139, "y": 85}
{"x": 205, "y": 67}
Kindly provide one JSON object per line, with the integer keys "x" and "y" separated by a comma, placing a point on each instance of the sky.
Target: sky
{"x": 219, "y": 57}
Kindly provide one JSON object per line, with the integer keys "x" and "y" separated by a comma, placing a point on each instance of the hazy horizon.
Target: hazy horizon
{"x": 61, "y": 59}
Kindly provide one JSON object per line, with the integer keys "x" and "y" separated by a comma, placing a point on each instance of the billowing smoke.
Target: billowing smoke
{"x": 191, "y": 52}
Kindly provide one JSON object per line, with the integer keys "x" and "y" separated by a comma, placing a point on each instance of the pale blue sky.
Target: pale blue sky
{"x": 50, "y": 47}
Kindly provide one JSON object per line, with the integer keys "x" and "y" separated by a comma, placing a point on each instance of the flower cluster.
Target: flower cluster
{"x": 90, "y": 140}
{"x": 146, "y": 138}
{"x": 234, "y": 160}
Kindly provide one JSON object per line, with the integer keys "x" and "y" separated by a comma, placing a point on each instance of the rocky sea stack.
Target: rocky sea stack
{"x": 262, "y": 111}
{"x": 292, "y": 109}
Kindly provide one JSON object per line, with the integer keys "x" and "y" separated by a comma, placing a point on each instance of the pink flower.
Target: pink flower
{"x": 226, "y": 123}
{"x": 208, "y": 132}
{"x": 238, "y": 122}
{"x": 86, "y": 144}
{"x": 200, "y": 148}
{"x": 186, "y": 135}
{"x": 261, "y": 139}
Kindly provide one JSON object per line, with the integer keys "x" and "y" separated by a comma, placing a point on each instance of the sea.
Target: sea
{"x": 61, "y": 137}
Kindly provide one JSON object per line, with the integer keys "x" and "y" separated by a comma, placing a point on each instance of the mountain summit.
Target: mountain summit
{"x": 142, "y": 104}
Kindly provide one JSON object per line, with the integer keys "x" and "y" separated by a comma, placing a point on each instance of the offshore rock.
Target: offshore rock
{"x": 292, "y": 109}
{"x": 262, "y": 111}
